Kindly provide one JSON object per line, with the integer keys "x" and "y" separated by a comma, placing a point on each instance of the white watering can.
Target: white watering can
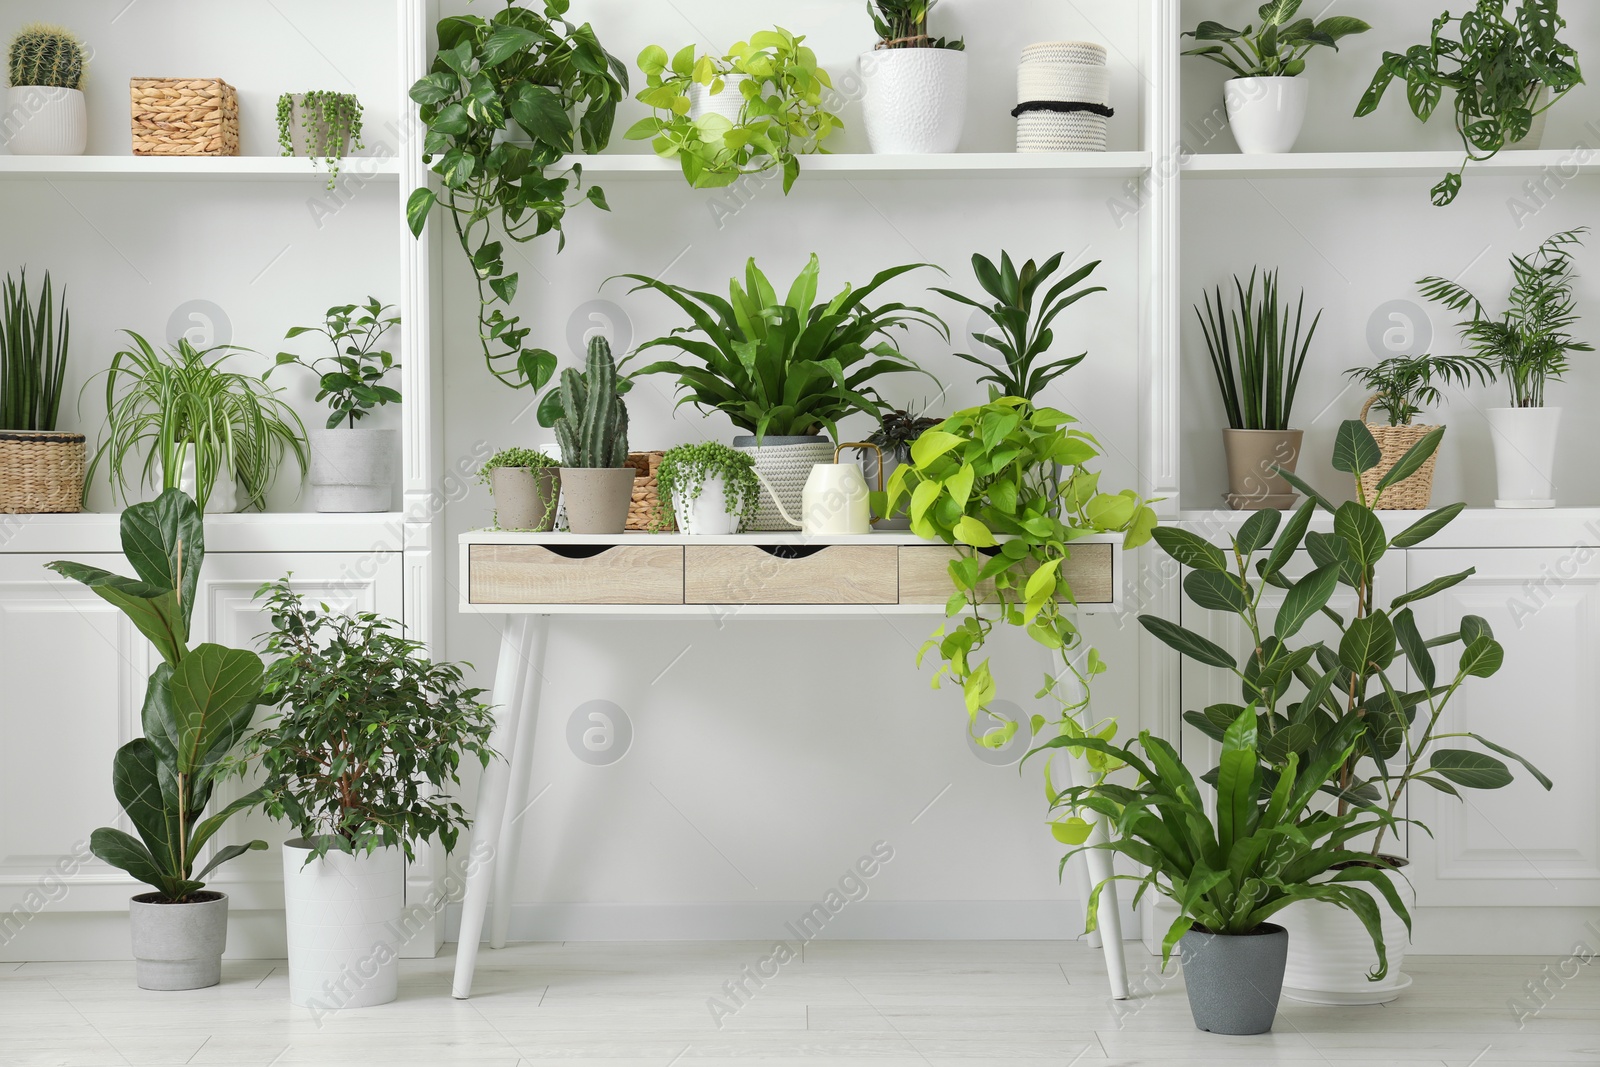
{"x": 834, "y": 501}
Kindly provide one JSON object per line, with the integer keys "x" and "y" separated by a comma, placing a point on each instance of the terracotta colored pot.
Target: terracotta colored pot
{"x": 597, "y": 499}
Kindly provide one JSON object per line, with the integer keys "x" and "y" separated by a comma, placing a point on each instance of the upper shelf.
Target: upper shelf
{"x": 1566, "y": 161}
{"x": 953, "y": 165}
{"x": 200, "y": 168}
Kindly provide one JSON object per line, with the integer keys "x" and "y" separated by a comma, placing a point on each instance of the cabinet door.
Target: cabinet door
{"x": 1519, "y": 845}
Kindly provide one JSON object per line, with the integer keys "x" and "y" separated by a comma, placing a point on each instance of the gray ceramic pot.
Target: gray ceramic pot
{"x": 353, "y": 470}
{"x": 178, "y": 946}
{"x": 1234, "y": 981}
{"x": 525, "y": 499}
{"x": 1253, "y": 459}
{"x": 597, "y": 500}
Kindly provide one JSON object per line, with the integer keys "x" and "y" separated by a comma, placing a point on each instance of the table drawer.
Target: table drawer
{"x": 750, "y": 574}
{"x": 925, "y": 575}
{"x": 580, "y": 574}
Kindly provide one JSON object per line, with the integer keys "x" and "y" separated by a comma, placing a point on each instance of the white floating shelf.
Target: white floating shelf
{"x": 195, "y": 168}
{"x": 1567, "y": 161}
{"x": 953, "y": 165}
{"x": 252, "y": 532}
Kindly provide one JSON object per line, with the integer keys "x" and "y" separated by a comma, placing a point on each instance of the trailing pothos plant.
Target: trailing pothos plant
{"x": 1009, "y": 485}
{"x": 517, "y": 71}
{"x": 1305, "y": 693}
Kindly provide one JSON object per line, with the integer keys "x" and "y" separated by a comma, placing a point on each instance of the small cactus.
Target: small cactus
{"x": 593, "y": 432}
{"x": 46, "y": 55}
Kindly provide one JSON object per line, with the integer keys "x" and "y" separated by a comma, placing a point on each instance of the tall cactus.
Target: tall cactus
{"x": 593, "y": 431}
{"x": 46, "y": 55}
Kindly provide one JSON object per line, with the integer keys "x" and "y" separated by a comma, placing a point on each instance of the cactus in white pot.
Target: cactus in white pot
{"x": 45, "y": 69}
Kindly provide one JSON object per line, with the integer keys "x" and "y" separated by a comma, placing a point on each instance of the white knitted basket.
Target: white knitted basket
{"x": 1047, "y": 131}
{"x": 1048, "y": 80}
{"x": 1072, "y": 51}
{"x": 786, "y": 467}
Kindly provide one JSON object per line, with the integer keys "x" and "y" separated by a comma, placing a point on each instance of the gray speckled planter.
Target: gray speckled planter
{"x": 1234, "y": 981}
{"x": 178, "y": 946}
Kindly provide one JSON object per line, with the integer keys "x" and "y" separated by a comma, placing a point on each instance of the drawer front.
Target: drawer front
{"x": 746, "y": 574}
{"x": 925, "y": 575}
{"x": 536, "y": 574}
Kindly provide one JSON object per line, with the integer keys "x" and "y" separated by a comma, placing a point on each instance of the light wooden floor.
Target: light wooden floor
{"x": 884, "y": 1004}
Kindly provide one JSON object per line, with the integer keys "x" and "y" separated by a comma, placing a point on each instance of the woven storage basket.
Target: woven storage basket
{"x": 1414, "y": 493}
{"x": 1071, "y": 75}
{"x": 644, "y": 513}
{"x": 41, "y": 472}
{"x": 184, "y": 117}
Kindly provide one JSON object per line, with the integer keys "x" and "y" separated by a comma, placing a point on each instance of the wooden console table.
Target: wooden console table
{"x": 530, "y": 577}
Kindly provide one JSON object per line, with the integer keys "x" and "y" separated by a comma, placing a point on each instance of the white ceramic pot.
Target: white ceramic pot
{"x": 343, "y": 916}
{"x": 1525, "y": 455}
{"x": 178, "y": 946}
{"x": 707, "y": 514}
{"x": 1331, "y": 953}
{"x": 728, "y": 103}
{"x": 916, "y": 99}
{"x": 224, "y": 499}
{"x": 46, "y": 121}
{"x": 1266, "y": 114}
{"x": 353, "y": 470}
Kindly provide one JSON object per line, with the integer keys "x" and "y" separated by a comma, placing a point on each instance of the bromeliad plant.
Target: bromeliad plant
{"x": 33, "y": 355}
{"x": 370, "y": 735}
{"x": 593, "y": 427}
{"x": 329, "y": 123}
{"x": 685, "y": 470}
{"x": 781, "y": 117}
{"x": 904, "y": 24}
{"x": 1304, "y": 695}
{"x": 197, "y": 707}
{"x": 1278, "y": 47}
{"x": 1256, "y": 358}
{"x": 1403, "y": 385}
{"x": 898, "y": 430}
{"x": 1529, "y": 344}
{"x": 518, "y": 71}
{"x": 352, "y": 385}
{"x": 1499, "y": 70}
{"x": 791, "y": 368}
{"x": 1023, "y": 319}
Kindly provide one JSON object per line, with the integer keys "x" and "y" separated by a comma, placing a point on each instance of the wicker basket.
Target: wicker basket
{"x": 41, "y": 472}
{"x": 1414, "y": 493}
{"x": 644, "y": 513}
{"x": 184, "y": 117}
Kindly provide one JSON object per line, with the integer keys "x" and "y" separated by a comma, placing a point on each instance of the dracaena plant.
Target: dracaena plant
{"x": 197, "y": 707}
{"x": 498, "y": 104}
{"x": 1499, "y": 69}
{"x": 1278, "y": 47}
{"x": 1304, "y": 692}
{"x": 1026, "y": 303}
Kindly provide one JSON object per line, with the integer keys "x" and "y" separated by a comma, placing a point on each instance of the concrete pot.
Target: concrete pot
{"x": 1525, "y": 456}
{"x": 178, "y": 946}
{"x": 524, "y": 498}
{"x": 342, "y": 913}
{"x": 306, "y": 138}
{"x": 597, "y": 499}
{"x": 1331, "y": 954}
{"x": 1234, "y": 981}
{"x": 1266, "y": 114}
{"x": 916, "y": 99}
{"x": 353, "y": 470}
{"x": 49, "y": 121}
{"x": 1252, "y": 456}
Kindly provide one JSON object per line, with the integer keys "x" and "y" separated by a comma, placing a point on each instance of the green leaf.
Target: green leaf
{"x": 1256, "y": 531}
{"x": 136, "y": 781}
{"x": 120, "y": 850}
{"x": 1073, "y": 831}
{"x": 417, "y": 208}
{"x": 1438, "y": 585}
{"x": 1362, "y": 531}
{"x": 1289, "y": 540}
{"x": 1188, "y": 643}
{"x": 1304, "y": 599}
{"x": 1368, "y": 645}
{"x": 1411, "y": 462}
{"x": 505, "y": 42}
{"x": 1474, "y": 770}
{"x": 1427, "y": 526}
{"x": 1483, "y": 658}
{"x": 932, "y": 444}
{"x": 1189, "y": 549}
{"x": 1415, "y": 648}
{"x": 1238, "y": 782}
{"x": 970, "y": 531}
{"x": 214, "y": 691}
{"x": 1355, "y": 450}
{"x": 1217, "y": 591}
{"x": 1536, "y": 772}
{"x": 1305, "y": 487}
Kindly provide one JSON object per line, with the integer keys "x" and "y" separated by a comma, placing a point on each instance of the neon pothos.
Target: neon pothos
{"x": 1008, "y": 484}
{"x": 491, "y": 78}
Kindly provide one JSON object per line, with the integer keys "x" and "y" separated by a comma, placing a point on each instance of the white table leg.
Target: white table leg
{"x": 1082, "y": 886}
{"x": 509, "y": 682}
{"x": 505, "y": 869}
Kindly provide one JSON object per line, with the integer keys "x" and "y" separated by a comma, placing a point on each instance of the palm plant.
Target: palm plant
{"x": 1529, "y": 343}
{"x": 1258, "y": 362}
{"x": 790, "y": 368}
{"x": 904, "y": 24}
{"x": 1404, "y": 385}
{"x": 1024, "y": 321}
{"x": 33, "y": 355}
{"x": 173, "y": 400}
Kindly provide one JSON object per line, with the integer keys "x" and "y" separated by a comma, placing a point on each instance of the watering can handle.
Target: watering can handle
{"x": 777, "y": 501}
{"x": 863, "y": 446}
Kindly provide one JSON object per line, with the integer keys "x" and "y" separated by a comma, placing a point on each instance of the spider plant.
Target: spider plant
{"x": 1528, "y": 345}
{"x": 165, "y": 401}
{"x": 1406, "y": 384}
{"x": 1258, "y": 361}
{"x": 33, "y": 355}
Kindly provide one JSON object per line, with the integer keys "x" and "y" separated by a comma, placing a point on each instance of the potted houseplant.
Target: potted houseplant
{"x": 1301, "y": 691}
{"x": 353, "y": 469}
{"x": 596, "y": 481}
{"x": 784, "y": 372}
{"x": 1266, "y": 97}
{"x": 197, "y": 707}
{"x": 708, "y": 489}
{"x": 897, "y": 431}
{"x": 208, "y": 430}
{"x": 1266, "y": 849}
{"x": 1401, "y": 386}
{"x": 1527, "y": 346}
{"x": 1257, "y": 366}
{"x": 526, "y": 486}
{"x": 1507, "y": 72}
{"x": 41, "y": 468}
{"x": 321, "y": 125}
{"x": 758, "y": 108}
{"x": 916, "y": 84}
{"x": 528, "y": 71}
{"x": 45, "y": 65}
{"x": 360, "y": 758}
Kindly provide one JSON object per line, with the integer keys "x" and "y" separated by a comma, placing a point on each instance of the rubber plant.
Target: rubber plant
{"x": 197, "y": 707}
{"x": 498, "y": 105}
{"x": 330, "y": 123}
